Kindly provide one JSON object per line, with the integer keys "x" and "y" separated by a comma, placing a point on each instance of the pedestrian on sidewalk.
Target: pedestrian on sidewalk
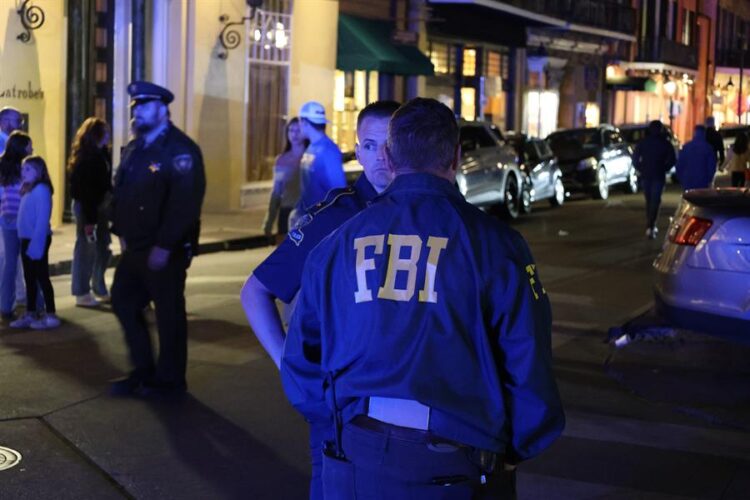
{"x": 156, "y": 207}
{"x": 17, "y": 147}
{"x": 321, "y": 167}
{"x": 286, "y": 183}
{"x": 91, "y": 189}
{"x": 714, "y": 139}
{"x": 696, "y": 164}
{"x": 279, "y": 276}
{"x": 737, "y": 160}
{"x": 36, "y": 237}
{"x": 425, "y": 332}
{"x": 653, "y": 157}
{"x": 10, "y": 121}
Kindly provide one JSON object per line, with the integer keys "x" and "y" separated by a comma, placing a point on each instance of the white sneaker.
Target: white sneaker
{"x": 87, "y": 300}
{"x": 24, "y": 321}
{"x": 46, "y": 322}
{"x": 103, "y": 299}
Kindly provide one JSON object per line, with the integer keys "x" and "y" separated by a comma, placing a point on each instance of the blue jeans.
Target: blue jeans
{"x": 90, "y": 260}
{"x": 10, "y": 273}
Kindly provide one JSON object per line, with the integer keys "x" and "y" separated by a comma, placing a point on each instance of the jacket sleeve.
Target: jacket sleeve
{"x": 43, "y": 209}
{"x": 522, "y": 324}
{"x": 301, "y": 373}
{"x": 183, "y": 204}
{"x": 670, "y": 158}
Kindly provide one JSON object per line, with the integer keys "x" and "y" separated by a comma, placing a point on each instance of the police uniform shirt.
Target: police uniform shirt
{"x": 422, "y": 296}
{"x": 281, "y": 272}
{"x": 158, "y": 192}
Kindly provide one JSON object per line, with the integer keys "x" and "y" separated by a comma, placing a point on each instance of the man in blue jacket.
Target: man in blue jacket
{"x": 696, "y": 165}
{"x": 653, "y": 157}
{"x": 424, "y": 327}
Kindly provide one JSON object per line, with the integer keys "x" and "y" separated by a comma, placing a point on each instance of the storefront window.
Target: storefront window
{"x": 468, "y": 103}
{"x": 470, "y": 62}
{"x": 353, "y": 90}
{"x": 541, "y": 112}
{"x": 441, "y": 58}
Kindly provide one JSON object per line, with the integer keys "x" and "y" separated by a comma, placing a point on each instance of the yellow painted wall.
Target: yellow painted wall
{"x": 38, "y": 65}
{"x": 314, "y": 30}
{"x": 215, "y": 107}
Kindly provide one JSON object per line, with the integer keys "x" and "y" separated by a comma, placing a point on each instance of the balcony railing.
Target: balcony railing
{"x": 594, "y": 13}
{"x": 732, "y": 58}
{"x": 668, "y": 51}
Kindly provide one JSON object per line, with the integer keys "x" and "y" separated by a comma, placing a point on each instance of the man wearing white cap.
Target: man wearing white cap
{"x": 321, "y": 166}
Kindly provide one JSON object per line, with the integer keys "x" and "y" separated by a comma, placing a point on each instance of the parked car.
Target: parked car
{"x": 703, "y": 269}
{"x": 488, "y": 175}
{"x": 633, "y": 133}
{"x": 538, "y": 162}
{"x": 593, "y": 159}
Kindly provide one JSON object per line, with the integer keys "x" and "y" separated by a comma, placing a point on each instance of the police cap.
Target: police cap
{"x": 141, "y": 92}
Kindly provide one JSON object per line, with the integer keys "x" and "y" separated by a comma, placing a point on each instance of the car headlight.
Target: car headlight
{"x": 586, "y": 164}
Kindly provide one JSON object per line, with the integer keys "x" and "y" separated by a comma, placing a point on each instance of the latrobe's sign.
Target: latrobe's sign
{"x": 20, "y": 92}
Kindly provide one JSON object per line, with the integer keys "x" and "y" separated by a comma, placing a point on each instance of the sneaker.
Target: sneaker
{"x": 653, "y": 232}
{"x": 45, "y": 322}
{"x": 87, "y": 300}
{"x": 127, "y": 386}
{"x": 103, "y": 299}
{"x": 24, "y": 321}
{"x": 162, "y": 389}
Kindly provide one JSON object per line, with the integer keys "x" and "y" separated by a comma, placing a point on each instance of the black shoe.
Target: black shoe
{"x": 162, "y": 389}
{"x": 128, "y": 386}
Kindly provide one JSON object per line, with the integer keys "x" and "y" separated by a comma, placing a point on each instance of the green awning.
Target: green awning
{"x": 365, "y": 44}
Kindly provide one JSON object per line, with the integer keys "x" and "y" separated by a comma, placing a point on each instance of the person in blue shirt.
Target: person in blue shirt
{"x": 424, "y": 328}
{"x": 279, "y": 276}
{"x": 320, "y": 168}
{"x": 696, "y": 164}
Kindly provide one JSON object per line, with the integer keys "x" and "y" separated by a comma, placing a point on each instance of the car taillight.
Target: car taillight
{"x": 691, "y": 231}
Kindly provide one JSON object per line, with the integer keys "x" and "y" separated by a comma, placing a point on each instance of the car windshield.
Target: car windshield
{"x": 574, "y": 144}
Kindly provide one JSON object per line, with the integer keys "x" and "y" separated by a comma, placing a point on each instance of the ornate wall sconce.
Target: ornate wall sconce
{"x": 32, "y": 18}
{"x": 230, "y": 38}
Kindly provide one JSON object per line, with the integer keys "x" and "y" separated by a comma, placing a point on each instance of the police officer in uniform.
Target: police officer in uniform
{"x": 158, "y": 192}
{"x": 424, "y": 328}
{"x": 279, "y": 276}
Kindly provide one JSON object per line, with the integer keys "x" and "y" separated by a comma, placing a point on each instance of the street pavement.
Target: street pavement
{"x": 662, "y": 418}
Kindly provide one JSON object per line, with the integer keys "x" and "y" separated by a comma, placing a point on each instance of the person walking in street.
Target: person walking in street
{"x": 696, "y": 164}
{"x": 425, "y": 331}
{"x": 17, "y": 147}
{"x": 714, "y": 139}
{"x": 91, "y": 189}
{"x": 653, "y": 157}
{"x": 35, "y": 235}
{"x": 10, "y": 121}
{"x": 279, "y": 276}
{"x": 737, "y": 160}
{"x": 320, "y": 168}
{"x": 156, "y": 206}
{"x": 286, "y": 189}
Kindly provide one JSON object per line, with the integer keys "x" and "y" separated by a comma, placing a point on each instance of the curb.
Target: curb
{"x": 63, "y": 267}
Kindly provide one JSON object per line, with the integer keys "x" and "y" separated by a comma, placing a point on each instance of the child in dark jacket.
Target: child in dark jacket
{"x": 36, "y": 236}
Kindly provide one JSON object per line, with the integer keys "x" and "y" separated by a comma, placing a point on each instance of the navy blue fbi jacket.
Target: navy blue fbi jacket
{"x": 422, "y": 296}
{"x": 158, "y": 192}
{"x": 281, "y": 272}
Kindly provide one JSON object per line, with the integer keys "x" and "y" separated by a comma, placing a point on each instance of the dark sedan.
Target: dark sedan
{"x": 593, "y": 159}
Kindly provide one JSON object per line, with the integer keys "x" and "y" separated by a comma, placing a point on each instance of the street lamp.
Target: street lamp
{"x": 670, "y": 87}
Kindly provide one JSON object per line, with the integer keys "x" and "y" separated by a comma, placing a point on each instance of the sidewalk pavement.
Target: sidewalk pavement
{"x": 219, "y": 231}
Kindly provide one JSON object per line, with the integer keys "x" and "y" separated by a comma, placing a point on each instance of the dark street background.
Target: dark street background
{"x": 667, "y": 418}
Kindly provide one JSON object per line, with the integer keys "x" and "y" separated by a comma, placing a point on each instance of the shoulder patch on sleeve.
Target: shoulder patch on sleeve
{"x": 182, "y": 163}
{"x": 296, "y": 234}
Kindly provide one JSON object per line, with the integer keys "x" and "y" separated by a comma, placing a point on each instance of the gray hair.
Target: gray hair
{"x": 422, "y": 136}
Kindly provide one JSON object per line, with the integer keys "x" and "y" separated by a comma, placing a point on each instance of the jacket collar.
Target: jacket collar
{"x": 423, "y": 182}
{"x": 364, "y": 189}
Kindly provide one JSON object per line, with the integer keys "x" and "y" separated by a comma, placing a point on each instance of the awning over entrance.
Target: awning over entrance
{"x": 365, "y": 44}
{"x": 643, "y": 84}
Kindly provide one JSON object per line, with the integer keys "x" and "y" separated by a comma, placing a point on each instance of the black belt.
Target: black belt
{"x": 487, "y": 461}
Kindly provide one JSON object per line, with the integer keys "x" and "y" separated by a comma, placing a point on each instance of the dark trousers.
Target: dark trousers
{"x": 738, "y": 179}
{"x": 652, "y": 190}
{"x": 134, "y": 286}
{"x": 384, "y": 466}
{"x": 36, "y": 276}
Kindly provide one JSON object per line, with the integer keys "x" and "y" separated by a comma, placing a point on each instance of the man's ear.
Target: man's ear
{"x": 356, "y": 152}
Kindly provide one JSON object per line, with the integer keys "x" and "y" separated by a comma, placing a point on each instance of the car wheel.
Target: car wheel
{"x": 559, "y": 198}
{"x": 601, "y": 190}
{"x": 526, "y": 199}
{"x": 511, "y": 208}
{"x": 631, "y": 186}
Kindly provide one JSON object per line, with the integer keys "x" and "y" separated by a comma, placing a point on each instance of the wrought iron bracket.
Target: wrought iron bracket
{"x": 230, "y": 38}
{"x": 32, "y": 18}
